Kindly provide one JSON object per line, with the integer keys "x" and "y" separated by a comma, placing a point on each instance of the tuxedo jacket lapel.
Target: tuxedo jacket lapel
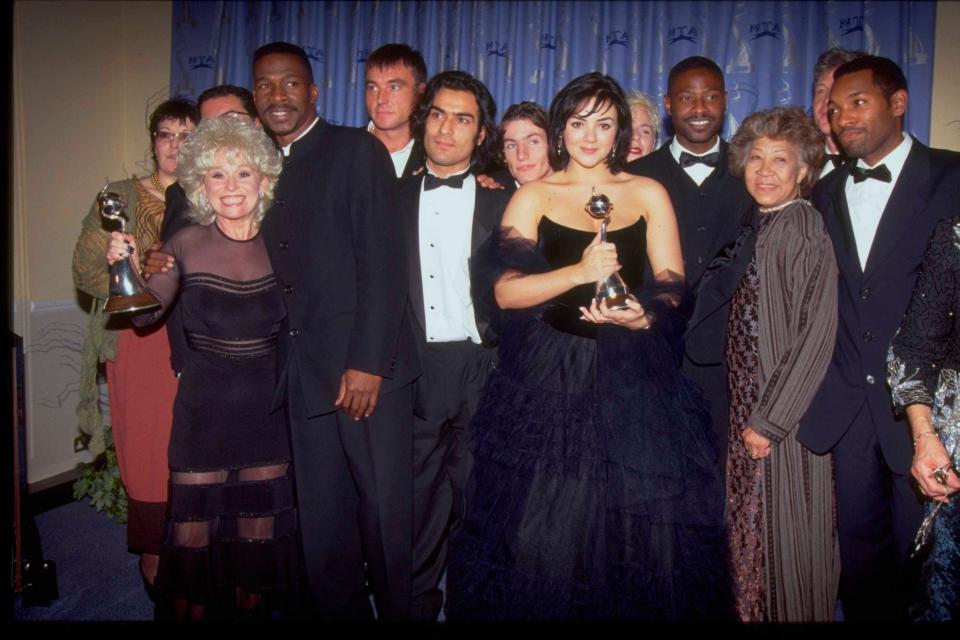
{"x": 840, "y": 226}
{"x": 485, "y": 218}
{"x": 907, "y": 200}
{"x": 410, "y": 207}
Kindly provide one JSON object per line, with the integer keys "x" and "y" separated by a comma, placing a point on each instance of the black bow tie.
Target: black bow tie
{"x": 879, "y": 172}
{"x": 688, "y": 159}
{"x": 454, "y": 182}
{"x": 836, "y": 159}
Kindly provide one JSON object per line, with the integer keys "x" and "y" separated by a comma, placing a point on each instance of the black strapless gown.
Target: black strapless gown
{"x": 595, "y": 491}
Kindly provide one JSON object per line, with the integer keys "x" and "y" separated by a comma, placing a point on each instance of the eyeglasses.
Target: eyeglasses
{"x": 170, "y": 136}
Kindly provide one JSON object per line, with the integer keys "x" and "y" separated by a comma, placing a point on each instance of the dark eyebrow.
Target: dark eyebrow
{"x": 463, "y": 114}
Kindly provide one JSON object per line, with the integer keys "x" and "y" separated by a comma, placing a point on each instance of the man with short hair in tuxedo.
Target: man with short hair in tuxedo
{"x": 395, "y": 77}
{"x": 346, "y": 353}
{"x": 879, "y": 211}
{"x": 447, "y": 217}
{"x": 826, "y": 64}
{"x": 711, "y": 206}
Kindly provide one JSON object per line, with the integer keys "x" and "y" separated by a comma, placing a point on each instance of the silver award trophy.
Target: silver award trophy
{"x": 127, "y": 293}
{"x": 612, "y": 288}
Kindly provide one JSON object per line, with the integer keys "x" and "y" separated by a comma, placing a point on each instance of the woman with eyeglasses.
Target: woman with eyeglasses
{"x": 140, "y": 380}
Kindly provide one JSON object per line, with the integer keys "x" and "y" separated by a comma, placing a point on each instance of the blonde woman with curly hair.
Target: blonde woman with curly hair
{"x": 230, "y": 540}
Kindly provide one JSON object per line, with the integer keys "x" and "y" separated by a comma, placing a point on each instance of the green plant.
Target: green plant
{"x": 100, "y": 481}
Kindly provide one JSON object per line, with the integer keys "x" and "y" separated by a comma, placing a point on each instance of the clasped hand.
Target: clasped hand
{"x": 121, "y": 247}
{"x": 599, "y": 261}
{"x": 931, "y": 455}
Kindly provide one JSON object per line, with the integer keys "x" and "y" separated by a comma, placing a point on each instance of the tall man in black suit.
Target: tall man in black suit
{"x": 448, "y": 216}
{"x": 347, "y": 355}
{"x": 395, "y": 78}
{"x": 880, "y": 214}
{"x": 710, "y": 205}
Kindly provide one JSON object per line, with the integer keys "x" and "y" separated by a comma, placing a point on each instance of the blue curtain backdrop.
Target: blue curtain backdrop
{"x": 529, "y": 50}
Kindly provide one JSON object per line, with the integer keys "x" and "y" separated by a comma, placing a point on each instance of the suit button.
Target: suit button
{"x": 294, "y": 333}
{"x": 280, "y": 202}
{"x": 865, "y": 293}
{"x": 288, "y": 289}
{"x": 700, "y": 260}
{"x": 867, "y": 336}
{"x": 284, "y": 244}
{"x": 871, "y": 379}
{"x": 701, "y": 194}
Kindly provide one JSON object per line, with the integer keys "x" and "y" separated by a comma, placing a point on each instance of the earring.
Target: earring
{"x": 559, "y": 148}
{"x": 613, "y": 151}
{"x": 260, "y": 195}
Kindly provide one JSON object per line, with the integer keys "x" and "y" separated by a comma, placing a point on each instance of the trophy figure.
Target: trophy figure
{"x": 127, "y": 293}
{"x": 612, "y": 288}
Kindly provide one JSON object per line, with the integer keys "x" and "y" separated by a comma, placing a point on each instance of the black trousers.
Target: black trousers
{"x": 354, "y": 491}
{"x": 446, "y": 396}
{"x": 878, "y": 514}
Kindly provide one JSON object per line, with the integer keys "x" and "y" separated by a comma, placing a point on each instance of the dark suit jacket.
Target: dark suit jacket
{"x": 709, "y": 216}
{"x": 333, "y": 236}
{"x": 872, "y": 301}
{"x": 414, "y": 161}
{"x": 488, "y": 209}
{"x": 174, "y": 219}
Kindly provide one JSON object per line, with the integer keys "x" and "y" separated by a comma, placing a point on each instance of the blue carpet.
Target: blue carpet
{"x": 98, "y": 578}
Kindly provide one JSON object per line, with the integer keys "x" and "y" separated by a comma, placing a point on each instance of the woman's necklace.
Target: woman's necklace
{"x": 782, "y": 206}
{"x": 155, "y": 181}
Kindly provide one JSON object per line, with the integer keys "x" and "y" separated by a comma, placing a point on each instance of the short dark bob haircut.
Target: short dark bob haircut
{"x": 788, "y": 124}
{"x": 179, "y": 110}
{"x": 484, "y": 152}
{"x": 887, "y": 75}
{"x": 590, "y": 93}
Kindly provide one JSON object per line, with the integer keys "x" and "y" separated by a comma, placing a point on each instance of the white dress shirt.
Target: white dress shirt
{"x": 445, "y": 231}
{"x": 866, "y": 200}
{"x": 286, "y": 149}
{"x": 400, "y": 156}
{"x": 698, "y": 172}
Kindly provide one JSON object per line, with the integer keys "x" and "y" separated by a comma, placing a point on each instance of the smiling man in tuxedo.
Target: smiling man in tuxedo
{"x": 711, "y": 206}
{"x": 447, "y": 217}
{"x": 879, "y": 212}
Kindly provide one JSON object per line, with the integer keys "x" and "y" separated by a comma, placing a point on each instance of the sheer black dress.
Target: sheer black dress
{"x": 232, "y": 517}
{"x": 595, "y": 491}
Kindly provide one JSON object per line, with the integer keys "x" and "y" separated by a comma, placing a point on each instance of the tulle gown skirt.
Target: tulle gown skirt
{"x": 595, "y": 492}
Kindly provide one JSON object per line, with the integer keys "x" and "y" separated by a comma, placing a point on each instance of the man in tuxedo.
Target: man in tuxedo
{"x": 826, "y": 64}
{"x": 880, "y": 213}
{"x": 447, "y": 217}
{"x": 346, "y": 353}
{"x": 710, "y": 205}
{"x": 395, "y": 78}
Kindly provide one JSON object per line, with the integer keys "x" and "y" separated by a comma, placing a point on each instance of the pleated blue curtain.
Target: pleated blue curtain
{"x": 529, "y": 50}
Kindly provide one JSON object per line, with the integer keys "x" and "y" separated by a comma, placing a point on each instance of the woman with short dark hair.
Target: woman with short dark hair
{"x": 780, "y": 337}
{"x": 595, "y": 492}
{"x": 140, "y": 380}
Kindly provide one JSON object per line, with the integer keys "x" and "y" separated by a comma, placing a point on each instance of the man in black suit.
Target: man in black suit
{"x": 395, "y": 78}
{"x": 710, "y": 205}
{"x": 448, "y": 216}
{"x": 346, "y": 353}
{"x": 880, "y": 213}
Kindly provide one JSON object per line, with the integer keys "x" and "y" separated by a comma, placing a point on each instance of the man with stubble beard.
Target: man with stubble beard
{"x": 346, "y": 355}
{"x": 711, "y": 206}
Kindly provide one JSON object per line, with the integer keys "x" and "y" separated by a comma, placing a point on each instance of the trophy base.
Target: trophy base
{"x": 616, "y": 299}
{"x": 142, "y": 301}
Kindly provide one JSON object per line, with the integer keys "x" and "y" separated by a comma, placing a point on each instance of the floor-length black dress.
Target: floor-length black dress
{"x": 595, "y": 491}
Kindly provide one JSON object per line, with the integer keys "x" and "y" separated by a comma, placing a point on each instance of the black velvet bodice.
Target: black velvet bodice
{"x": 562, "y": 246}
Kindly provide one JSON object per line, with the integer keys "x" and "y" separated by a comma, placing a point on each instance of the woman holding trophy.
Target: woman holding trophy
{"x": 595, "y": 490}
{"x": 140, "y": 379}
{"x": 230, "y": 542}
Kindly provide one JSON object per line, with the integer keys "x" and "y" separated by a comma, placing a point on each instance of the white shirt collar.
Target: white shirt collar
{"x": 286, "y": 149}
{"x": 895, "y": 159}
{"x": 676, "y": 149}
